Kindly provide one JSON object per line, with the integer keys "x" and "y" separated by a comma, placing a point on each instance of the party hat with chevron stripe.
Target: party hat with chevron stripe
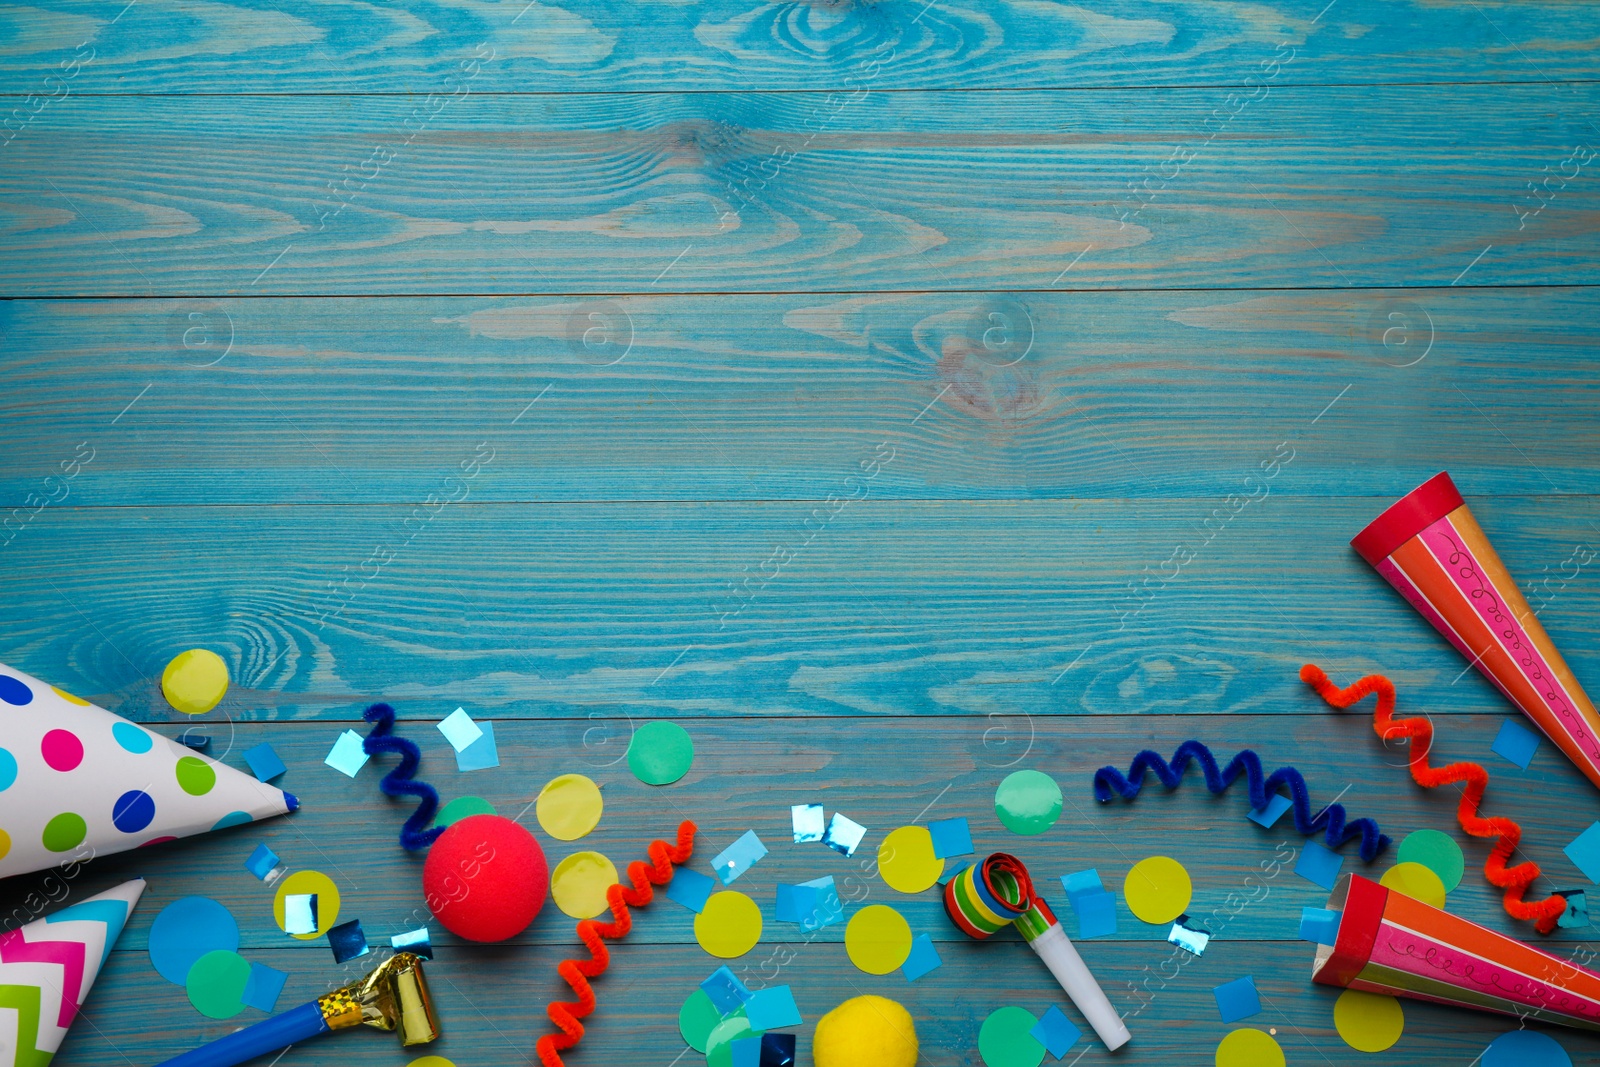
{"x": 47, "y": 968}
{"x": 77, "y": 781}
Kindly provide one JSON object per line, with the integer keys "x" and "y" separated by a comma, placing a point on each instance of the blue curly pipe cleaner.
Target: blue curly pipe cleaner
{"x": 1109, "y": 779}
{"x": 399, "y": 782}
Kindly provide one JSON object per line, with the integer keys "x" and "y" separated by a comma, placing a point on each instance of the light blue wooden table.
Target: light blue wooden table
{"x": 832, "y": 378}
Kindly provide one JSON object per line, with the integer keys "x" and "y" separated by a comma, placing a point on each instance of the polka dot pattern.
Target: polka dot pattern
{"x": 133, "y": 811}
{"x": 195, "y": 776}
{"x": 69, "y": 698}
{"x": 5, "y": 844}
{"x": 8, "y": 770}
{"x": 62, "y": 750}
{"x": 64, "y": 832}
{"x": 15, "y": 691}
{"x": 131, "y": 738}
{"x": 233, "y": 818}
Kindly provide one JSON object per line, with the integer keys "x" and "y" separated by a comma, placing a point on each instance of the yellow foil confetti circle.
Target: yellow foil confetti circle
{"x": 1249, "y": 1048}
{"x": 1415, "y": 880}
{"x": 579, "y": 883}
{"x": 1368, "y": 1022}
{"x": 569, "y": 807}
{"x": 195, "y": 681}
{"x": 906, "y": 860}
{"x": 729, "y": 925}
{"x": 878, "y": 939}
{"x": 1157, "y": 890}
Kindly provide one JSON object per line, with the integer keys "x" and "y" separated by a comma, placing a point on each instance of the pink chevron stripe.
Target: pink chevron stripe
{"x": 69, "y": 954}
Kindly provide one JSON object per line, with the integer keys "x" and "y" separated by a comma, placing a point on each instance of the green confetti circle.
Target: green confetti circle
{"x": 697, "y": 1018}
{"x": 660, "y": 753}
{"x": 1004, "y": 1040}
{"x": 64, "y": 831}
{"x": 216, "y": 984}
{"x": 1436, "y": 851}
{"x": 460, "y": 808}
{"x": 195, "y": 776}
{"x": 1028, "y": 802}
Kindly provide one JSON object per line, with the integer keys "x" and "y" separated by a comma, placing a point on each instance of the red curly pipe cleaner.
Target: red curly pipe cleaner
{"x": 1514, "y": 880}
{"x": 565, "y": 1014}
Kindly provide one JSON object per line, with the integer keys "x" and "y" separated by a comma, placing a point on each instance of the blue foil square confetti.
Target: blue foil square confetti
{"x": 1577, "y": 913}
{"x": 1320, "y": 926}
{"x": 1237, "y": 999}
{"x": 300, "y": 913}
{"x": 1516, "y": 743}
{"x": 797, "y": 904}
{"x": 481, "y": 754}
{"x": 1584, "y": 852}
{"x": 418, "y": 942}
{"x": 808, "y": 822}
{"x": 739, "y": 857}
{"x": 347, "y": 941}
{"x": 923, "y": 959}
{"x": 1319, "y": 864}
{"x": 772, "y": 1008}
{"x": 828, "y": 909}
{"x": 347, "y": 756}
{"x": 1277, "y": 804}
{"x": 844, "y": 835}
{"x": 1189, "y": 938}
{"x": 264, "y": 762}
{"x": 777, "y": 1050}
{"x": 1055, "y": 1032}
{"x": 951, "y": 837}
{"x": 746, "y": 1052}
{"x": 1097, "y": 914}
{"x": 459, "y": 729}
{"x": 1081, "y": 882}
{"x": 263, "y": 863}
{"x": 690, "y": 888}
{"x": 727, "y": 993}
{"x": 261, "y": 989}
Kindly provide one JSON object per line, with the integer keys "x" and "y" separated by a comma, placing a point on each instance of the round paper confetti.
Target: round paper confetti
{"x": 1436, "y": 851}
{"x": 460, "y": 808}
{"x": 1368, "y": 1022}
{"x": 1249, "y": 1048}
{"x": 195, "y": 776}
{"x": 195, "y": 681}
{"x": 660, "y": 753}
{"x": 696, "y": 1019}
{"x": 302, "y": 882}
{"x": 185, "y": 930}
{"x": 1028, "y": 802}
{"x": 579, "y": 884}
{"x": 878, "y": 939}
{"x": 1004, "y": 1040}
{"x": 729, "y": 925}
{"x": 569, "y": 807}
{"x": 430, "y": 1061}
{"x": 1415, "y": 880}
{"x": 216, "y": 984}
{"x": 1157, "y": 890}
{"x": 719, "y": 1046}
{"x": 65, "y": 831}
{"x": 1525, "y": 1048}
{"x": 906, "y": 860}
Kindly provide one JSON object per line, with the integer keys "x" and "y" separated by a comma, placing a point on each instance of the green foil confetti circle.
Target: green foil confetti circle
{"x": 1436, "y": 851}
{"x": 1028, "y": 802}
{"x": 216, "y": 984}
{"x": 660, "y": 753}
{"x": 460, "y": 808}
{"x": 696, "y": 1019}
{"x": 1005, "y": 1039}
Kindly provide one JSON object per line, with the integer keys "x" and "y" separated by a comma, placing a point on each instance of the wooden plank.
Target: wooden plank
{"x": 303, "y": 46}
{"x": 973, "y": 395}
{"x": 729, "y": 193}
{"x": 943, "y": 608}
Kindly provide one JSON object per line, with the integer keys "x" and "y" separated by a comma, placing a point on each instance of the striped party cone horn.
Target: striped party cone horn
{"x": 95, "y": 783}
{"x": 1432, "y": 550}
{"x": 1387, "y": 942}
{"x": 47, "y": 968}
{"x": 989, "y": 896}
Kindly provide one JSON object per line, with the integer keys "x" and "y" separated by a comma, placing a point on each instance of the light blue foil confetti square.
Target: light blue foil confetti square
{"x": 1577, "y": 913}
{"x": 772, "y": 1009}
{"x": 459, "y": 729}
{"x": 924, "y": 958}
{"x": 797, "y": 904}
{"x": 951, "y": 837}
{"x": 1081, "y": 882}
{"x": 690, "y": 888}
{"x": 744, "y": 1052}
{"x": 844, "y": 835}
{"x": 347, "y": 756}
{"x": 1516, "y": 743}
{"x": 1097, "y": 913}
{"x": 300, "y": 913}
{"x": 1584, "y": 852}
{"x": 1237, "y": 999}
{"x": 1055, "y": 1032}
{"x": 264, "y": 762}
{"x": 1319, "y": 864}
{"x": 1277, "y": 804}
{"x": 828, "y": 908}
{"x": 809, "y": 822}
{"x": 1189, "y": 938}
{"x": 481, "y": 754}
{"x": 727, "y": 993}
{"x": 418, "y": 942}
{"x": 1319, "y": 926}
{"x": 263, "y": 863}
{"x": 739, "y": 857}
{"x": 261, "y": 989}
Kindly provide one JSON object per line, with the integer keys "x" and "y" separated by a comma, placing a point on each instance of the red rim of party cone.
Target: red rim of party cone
{"x": 1407, "y": 517}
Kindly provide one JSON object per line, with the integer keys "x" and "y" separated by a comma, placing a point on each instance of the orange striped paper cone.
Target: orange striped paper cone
{"x": 1432, "y": 550}
{"x": 1390, "y": 943}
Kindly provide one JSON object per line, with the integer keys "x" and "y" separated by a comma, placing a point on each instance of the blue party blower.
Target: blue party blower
{"x": 393, "y": 996}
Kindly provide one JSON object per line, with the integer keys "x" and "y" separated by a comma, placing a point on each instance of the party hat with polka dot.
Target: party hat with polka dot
{"x": 47, "y": 968}
{"x": 77, "y": 782}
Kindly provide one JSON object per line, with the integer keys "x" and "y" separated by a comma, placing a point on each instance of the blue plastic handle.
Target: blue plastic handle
{"x": 268, "y": 1035}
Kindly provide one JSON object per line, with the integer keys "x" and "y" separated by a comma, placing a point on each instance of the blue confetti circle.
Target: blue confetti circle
{"x": 133, "y": 811}
{"x": 187, "y": 929}
{"x": 1522, "y": 1047}
{"x": 131, "y": 738}
{"x": 15, "y": 691}
{"x": 8, "y": 770}
{"x": 233, "y": 818}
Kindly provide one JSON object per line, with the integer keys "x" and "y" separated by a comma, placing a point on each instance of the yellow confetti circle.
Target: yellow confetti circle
{"x": 300, "y": 883}
{"x": 729, "y": 925}
{"x": 430, "y": 1061}
{"x": 195, "y": 681}
{"x": 1415, "y": 880}
{"x": 906, "y": 860}
{"x": 878, "y": 939}
{"x": 569, "y": 807}
{"x": 1157, "y": 889}
{"x": 579, "y": 884}
{"x": 1368, "y": 1022}
{"x": 1249, "y": 1048}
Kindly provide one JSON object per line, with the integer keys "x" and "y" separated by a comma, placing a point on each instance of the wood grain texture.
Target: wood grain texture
{"x": 729, "y": 192}
{"x": 296, "y": 46}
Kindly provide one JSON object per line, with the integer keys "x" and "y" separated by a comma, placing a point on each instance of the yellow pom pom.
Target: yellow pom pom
{"x": 865, "y": 1032}
{"x": 195, "y": 681}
